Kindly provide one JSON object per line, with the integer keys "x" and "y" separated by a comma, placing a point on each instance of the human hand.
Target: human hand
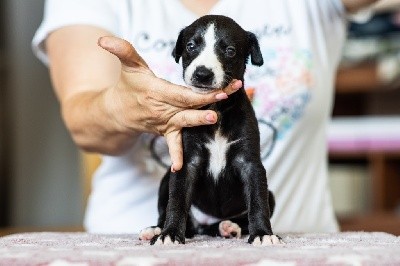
{"x": 142, "y": 102}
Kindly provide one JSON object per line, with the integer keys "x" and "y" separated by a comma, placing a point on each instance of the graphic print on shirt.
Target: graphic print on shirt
{"x": 282, "y": 86}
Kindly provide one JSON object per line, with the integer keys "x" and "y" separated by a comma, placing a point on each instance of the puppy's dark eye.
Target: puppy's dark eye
{"x": 191, "y": 46}
{"x": 230, "y": 51}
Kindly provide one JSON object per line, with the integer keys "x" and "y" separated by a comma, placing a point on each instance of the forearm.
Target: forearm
{"x": 378, "y": 5}
{"x": 384, "y": 5}
{"x": 92, "y": 127}
{"x": 80, "y": 72}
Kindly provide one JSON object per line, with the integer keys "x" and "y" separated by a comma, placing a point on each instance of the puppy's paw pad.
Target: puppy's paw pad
{"x": 229, "y": 229}
{"x": 149, "y": 232}
{"x": 163, "y": 240}
{"x": 267, "y": 240}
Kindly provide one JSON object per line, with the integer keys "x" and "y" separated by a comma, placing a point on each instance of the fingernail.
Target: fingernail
{"x": 172, "y": 168}
{"x": 210, "y": 118}
{"x": 237, "y": 84}
{"x": 221, "y": 96}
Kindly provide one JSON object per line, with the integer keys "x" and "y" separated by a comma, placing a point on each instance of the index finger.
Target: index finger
{"x": 184, "y": 97}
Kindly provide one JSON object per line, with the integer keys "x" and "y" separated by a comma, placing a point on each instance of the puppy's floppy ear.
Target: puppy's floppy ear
{"x": 178, "y": 49}
{"x": 254, "y": 50}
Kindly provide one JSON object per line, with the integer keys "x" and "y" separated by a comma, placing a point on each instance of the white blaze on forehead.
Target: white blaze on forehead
{"x": 207, "y": 58}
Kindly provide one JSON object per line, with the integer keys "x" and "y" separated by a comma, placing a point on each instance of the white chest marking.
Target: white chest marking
{"x": 218, "y": 148}
{"x": 207, "y": 58}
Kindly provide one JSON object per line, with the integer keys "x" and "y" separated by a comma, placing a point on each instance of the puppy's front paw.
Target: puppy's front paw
{"x": 265, "y": 240}
{"x": 149, "y": 232}
{"x": 229, "y": 229}
{"x": 167, "y": 239}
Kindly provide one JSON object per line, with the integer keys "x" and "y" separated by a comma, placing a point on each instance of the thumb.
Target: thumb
{"x": 129, "y": 57}
{"x": 174, "y": 141}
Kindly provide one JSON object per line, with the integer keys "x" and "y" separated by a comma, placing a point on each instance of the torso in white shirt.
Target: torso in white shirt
{"x": 301, "y": 43}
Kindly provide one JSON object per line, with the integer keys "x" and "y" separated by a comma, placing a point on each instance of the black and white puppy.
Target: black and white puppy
{"x": 222, "y": 174}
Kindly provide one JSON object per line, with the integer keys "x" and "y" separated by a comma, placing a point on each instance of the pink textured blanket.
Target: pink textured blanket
{"x": 78, "y": 249}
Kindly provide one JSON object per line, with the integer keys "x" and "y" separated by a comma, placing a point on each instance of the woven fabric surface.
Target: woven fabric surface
{"x": 351, "y": 248}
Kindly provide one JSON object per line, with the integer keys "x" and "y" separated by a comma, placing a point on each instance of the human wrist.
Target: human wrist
{"x": 92, "y": 126}
{"x": 113, "y": 111}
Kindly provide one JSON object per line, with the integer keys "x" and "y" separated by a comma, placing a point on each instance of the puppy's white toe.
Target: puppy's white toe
{"x": 167, "y": 241}
{"x": 268, "y": 240}
{"x": 229, "y": 229}
{"x": 159, "y": 242}
{"x": 257, "y": 241}
{"x": 149, "y": 232}
{"x": 276, "y": 240}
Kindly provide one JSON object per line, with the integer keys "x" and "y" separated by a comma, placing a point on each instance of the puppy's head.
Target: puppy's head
{"x": 215, "y": 50}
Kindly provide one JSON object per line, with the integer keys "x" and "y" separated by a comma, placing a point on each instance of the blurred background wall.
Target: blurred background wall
{"x": 40, "y": 160}
{"x": 3, "y": 122}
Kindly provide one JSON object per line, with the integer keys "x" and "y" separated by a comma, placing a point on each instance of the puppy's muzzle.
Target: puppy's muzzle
{"x": 203, "y": 77}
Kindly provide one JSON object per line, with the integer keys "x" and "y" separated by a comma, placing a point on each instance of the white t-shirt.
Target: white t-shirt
{"x": 301, "y": 42}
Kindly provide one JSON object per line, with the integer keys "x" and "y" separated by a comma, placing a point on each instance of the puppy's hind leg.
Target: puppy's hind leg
{"x": 149, "y": 232}
{"x": 229, "y": 229}
{"x": 191, "y": 228}
{"x": 232, "y": 228}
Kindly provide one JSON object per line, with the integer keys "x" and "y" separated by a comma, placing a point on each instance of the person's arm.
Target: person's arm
{"x": 80, "y": 71}
{"x": 384, "y": 5}
{"x": 107, "y": 102}
{"x": 353, "y": 6}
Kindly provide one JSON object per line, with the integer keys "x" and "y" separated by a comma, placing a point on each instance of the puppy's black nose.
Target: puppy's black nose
{"x": 203, "y": 75}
